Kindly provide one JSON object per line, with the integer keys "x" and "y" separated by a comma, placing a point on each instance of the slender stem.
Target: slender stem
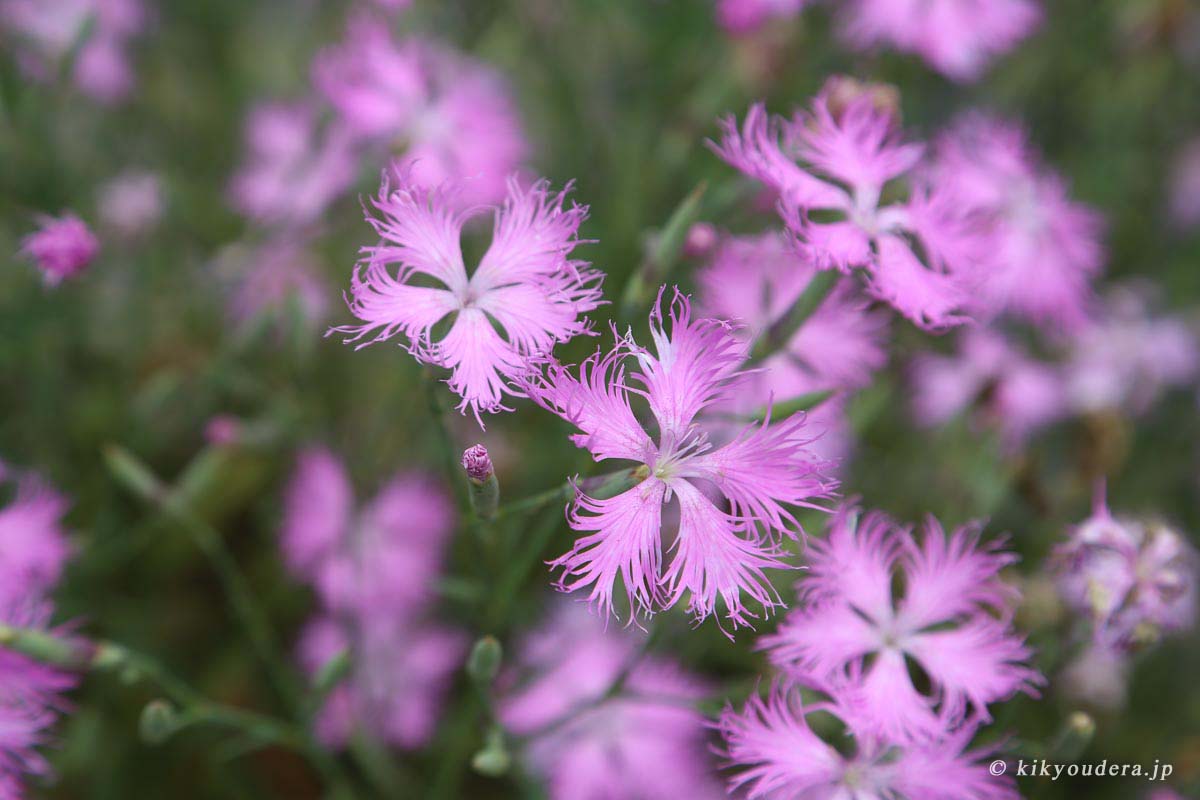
{"x": 195, "y": 708}
{"x": 820, "y": 286}
{"x": 559, "y": 493}
{"x": 445, "y": 442}
{"x": 663, "y": 256}
{"x": 615, "y": 687}
{"x": 136, "y": 476}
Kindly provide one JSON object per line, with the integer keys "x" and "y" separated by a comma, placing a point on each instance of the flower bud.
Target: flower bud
{"x": 484, "y": 661}
{"x": 841, "y": 92}
{"x": 484, "y": 490}
{"x": 158, "y": 722}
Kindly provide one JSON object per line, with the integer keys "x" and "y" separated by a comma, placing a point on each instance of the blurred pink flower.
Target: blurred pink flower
{"x": 991, "y": 378}
{"x": 379, "y": 561}
{"x": 853, "y": 633}
{"x": 1098, "y": 675}
{"x": 763, "y": 470}
{"x": 1184, "y": 198}
{"x": 959, "y": 38}
{"x": 294, "y": 167}
{"x": 646, "y": 742}
{"x": 33, "y": 542}
{"x": 836, "y": 160}
{"x": 1043, "y": 249}
{"x": 1133, "y": 580}
{"x": 131, "y": 203}
{"x": 1126, "y": 356}
{"x": 62, "y": 248}
{"x": 778, "y": 755}
{"x": 49, "y": 30}
{"x": 747, "y": 16}
{"x": 279, "y": 278}
{"x": 397, "y": 687}
{"x": 754, "y": 281}
{"x": 526, "y": 295}
{"x": 30, "y": 697}
{"x": 454, "y": 118}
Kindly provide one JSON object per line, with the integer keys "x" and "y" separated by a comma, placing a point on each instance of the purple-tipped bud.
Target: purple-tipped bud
{"x": 62, "y": 247}
{"x": 477, "y": 463}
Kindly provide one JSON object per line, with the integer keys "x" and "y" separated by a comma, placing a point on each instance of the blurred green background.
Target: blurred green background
{"x": 618, "y": 95}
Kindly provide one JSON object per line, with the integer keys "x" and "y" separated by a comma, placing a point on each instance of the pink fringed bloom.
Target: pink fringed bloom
{"x": 1043, "y": 249}
{"x": 454, "y": 117}
{"x": 1134, "y": 580}
{"x": 293, "y": 168}
{"x": 647, "y": 742}
{"x": 62, "y": 248}
{"x": 49, "y": 30}
{"x": 718, "y": 553}
{"x": 381, "y": 560}
{"x": 778, "y": 755}
{"x": 958, "y": 38}
{"x": 989, "y": 376}
{"x": 33, "y": 544}
{"x": 837, "y": 160}
{"x": 526, "y": 295}
{"x": 399, "y": 680}
{"x": 132, "y": 203}
{"x": 1127, "y": 355}
{"x": 853, "y": 632}
{"x": 747, "y": 16}
{"x": 30, "y": 699}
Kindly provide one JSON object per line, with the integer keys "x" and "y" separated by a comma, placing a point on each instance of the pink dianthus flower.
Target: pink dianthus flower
{"x": 852, "y": 631}
{"x": 719, "y": 553}
{"x": 62, "y": 248}
{"x": 958, "y": 38}
{"x": 836, "y": 162}
{"x": 526, "y": 295}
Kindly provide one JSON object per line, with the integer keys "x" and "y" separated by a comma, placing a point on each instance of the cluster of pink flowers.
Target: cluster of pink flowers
{"x": 373, "y": 570}
{"x": 646, "y": 740}
{"x": 97, "y": 33}
{"x": 732, "y": 500}
{"x": 33, "y": 551}
{"x": 1122, "y": 358}
{"x": 450, "y": 117}
{"x": 454, "y": 117}
{"x": 526, "y": 295}
{"x": 849, "y": 641}
{"x": 62, "y": 247}
{"x": 958, "y": 38}
{"x": 977, "y": 214}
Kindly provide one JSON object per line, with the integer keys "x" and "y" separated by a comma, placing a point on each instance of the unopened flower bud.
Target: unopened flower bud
{"x": 477, "y": 463}
{"x": 484, "y": 661}
{"x": 481, "y": 481}
{"x": 158, "y": 722}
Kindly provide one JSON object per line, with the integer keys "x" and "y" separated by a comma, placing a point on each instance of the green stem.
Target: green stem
{"x": 445, "y": 442}
{"x": 778, "y": 335}
{"x": 663, "y": 256}
{"x": 136, "y": 476}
